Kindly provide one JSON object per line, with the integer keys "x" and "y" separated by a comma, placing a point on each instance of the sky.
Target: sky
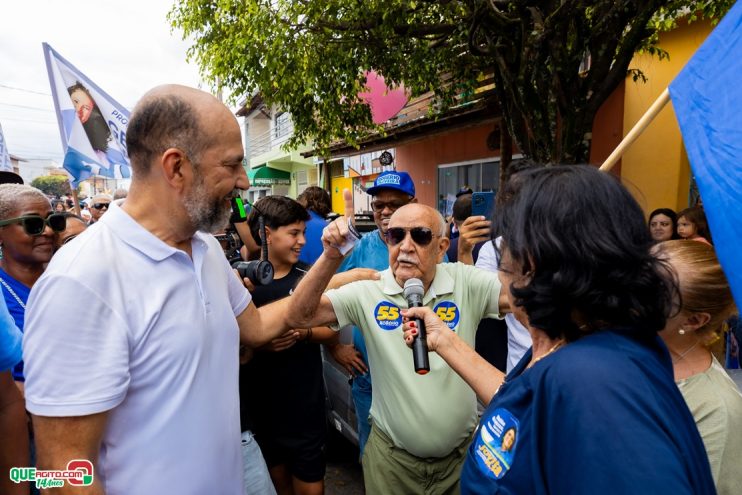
{"x": 125, "y": 47}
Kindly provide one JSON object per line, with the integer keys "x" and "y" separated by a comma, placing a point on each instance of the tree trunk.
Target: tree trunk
{"x": 506, "y": 158}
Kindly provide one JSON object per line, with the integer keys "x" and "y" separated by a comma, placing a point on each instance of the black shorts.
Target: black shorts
{"x": 303, "y": 457}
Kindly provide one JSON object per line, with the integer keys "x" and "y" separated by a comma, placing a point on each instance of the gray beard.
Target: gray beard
{"x": 206, "y": 214}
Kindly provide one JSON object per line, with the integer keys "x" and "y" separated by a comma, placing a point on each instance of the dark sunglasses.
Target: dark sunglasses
{"x": 379, "y": 206}
{"x": 100, "y": 206}
{"x": 422, "y": 236}
{"x": 35, "y": 224}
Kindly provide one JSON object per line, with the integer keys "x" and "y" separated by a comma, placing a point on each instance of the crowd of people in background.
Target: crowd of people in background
{"x": 144, "y": 353}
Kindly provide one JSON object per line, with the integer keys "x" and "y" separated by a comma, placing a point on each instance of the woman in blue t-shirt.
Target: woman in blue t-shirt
{"x": 27, "y": 230}
{"x": 592, "y": 406}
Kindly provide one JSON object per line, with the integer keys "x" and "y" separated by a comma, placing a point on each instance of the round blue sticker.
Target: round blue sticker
{"x": 448, "y": 312}
{"x": 387, "y": 315}
{"x": 495, "y": 442}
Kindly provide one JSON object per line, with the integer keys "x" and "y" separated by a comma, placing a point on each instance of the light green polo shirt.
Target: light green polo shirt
{"x": 426, "y": 415}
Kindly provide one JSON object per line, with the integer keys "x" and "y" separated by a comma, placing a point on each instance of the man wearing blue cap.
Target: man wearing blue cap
{"x": 391, "y": 191}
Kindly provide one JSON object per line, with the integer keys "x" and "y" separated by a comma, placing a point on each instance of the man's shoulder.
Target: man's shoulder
{"x": 370, "y": 238}
{"x": 369, "y": 252}
{"x": 89, "y": 249}
{"x": 458, "y": 270}
{"x": 96, "y": 255}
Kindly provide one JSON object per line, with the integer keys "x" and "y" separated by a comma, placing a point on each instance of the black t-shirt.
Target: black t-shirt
{"x": 282, "y": 393}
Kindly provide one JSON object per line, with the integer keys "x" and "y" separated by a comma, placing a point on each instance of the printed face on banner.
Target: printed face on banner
{"x": 93, "y": 124}
{"x": 83, "y": 104}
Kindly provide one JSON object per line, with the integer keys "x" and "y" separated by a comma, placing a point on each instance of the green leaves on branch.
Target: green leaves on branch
{"x": 52, "y": 185}
{"x": 308, "y": 57}
{"x": 554, "y": 62}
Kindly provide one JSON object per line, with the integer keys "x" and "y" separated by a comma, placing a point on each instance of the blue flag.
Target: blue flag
{"x": 92, "y": 124}
{"x": 5, "y": 165}
{"x": 707, "y": 97}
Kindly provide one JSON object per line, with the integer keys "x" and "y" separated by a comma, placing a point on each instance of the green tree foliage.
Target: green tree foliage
{"x": 52, "y": 185}
{"x": 309, "y": 56}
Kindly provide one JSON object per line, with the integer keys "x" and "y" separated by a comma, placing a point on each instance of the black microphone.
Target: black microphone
{"x": 413, "y": 292}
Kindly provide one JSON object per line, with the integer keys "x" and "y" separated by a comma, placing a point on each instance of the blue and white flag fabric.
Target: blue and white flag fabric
{"x": 707, "y": 95}
{"x": 92, "y": 124}
{"x": 5, "y": 165}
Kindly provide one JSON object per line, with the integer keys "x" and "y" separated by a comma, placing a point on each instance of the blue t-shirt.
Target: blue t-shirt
{"x": 370, "y": 252}
{"x": 602, "y": 415}
{"x": 10, "y": 339}
{"x": 312, "y": 250}
{"x": 17, "y": 310}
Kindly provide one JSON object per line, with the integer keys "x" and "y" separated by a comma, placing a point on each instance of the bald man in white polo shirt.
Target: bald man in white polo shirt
{"x": 132, "y": 334}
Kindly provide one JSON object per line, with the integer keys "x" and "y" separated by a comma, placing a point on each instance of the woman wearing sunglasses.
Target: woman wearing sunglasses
{"x": 27, "y": 229}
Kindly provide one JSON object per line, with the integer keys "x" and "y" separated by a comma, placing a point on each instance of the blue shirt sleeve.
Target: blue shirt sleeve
{"x": 10, "y": 339}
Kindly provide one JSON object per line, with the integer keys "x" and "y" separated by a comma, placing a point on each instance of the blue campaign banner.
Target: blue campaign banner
{"x": 706, "y": 96}
{"x": 91, "y": 123}
{"x": 5, "y": 165}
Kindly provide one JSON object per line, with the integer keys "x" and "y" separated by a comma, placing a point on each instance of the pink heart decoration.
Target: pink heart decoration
{"x": 385, "y": 103}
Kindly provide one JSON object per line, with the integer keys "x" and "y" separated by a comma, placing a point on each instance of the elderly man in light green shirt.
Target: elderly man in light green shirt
{"x": 421, "y": 423}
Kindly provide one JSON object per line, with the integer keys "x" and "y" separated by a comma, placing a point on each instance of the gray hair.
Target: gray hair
{"x": 160, "y": 122}
{"x": 443, "y": 226}
{"x": 120, "y": 194}
{"x": 11, "y": 196}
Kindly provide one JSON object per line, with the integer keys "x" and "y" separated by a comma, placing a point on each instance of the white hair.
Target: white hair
{"x": 443, "y": 226}
{"x": 12, "y": 195}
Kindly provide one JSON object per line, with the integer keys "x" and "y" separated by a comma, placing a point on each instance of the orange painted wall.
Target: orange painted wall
{"x": 608, "y": 129}
{"x": 421, "y": 158}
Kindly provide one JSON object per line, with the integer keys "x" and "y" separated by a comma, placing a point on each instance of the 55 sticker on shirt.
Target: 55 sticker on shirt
{"x": 388, "y": 315}
{"x": 448, "y": 312}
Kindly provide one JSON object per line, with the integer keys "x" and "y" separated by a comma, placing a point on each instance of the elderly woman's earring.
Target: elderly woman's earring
{"x": 681, "y": 331}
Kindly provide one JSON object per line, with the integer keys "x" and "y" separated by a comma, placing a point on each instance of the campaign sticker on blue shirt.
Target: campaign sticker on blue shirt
{"x": 495, "y": 443}
{"x": 387, "y": 315}
{"x": 448, "y": 312}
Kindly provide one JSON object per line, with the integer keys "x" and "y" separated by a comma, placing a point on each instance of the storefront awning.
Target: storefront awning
{"x": 267, "y": 176}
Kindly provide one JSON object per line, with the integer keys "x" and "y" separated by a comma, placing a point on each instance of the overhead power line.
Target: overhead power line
{"x": 24, "y": 90}
{"x": 26, "y": 107}
{"x": 3, "y": 119}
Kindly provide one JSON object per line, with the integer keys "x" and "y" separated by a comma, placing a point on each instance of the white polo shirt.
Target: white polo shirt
{"x": 122, "y": 322}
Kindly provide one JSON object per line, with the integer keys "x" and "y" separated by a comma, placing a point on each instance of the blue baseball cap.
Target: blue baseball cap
{"x": 399, "y": 181}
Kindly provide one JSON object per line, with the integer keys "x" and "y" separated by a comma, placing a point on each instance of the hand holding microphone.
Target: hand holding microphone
{"x": 413, "y": 293}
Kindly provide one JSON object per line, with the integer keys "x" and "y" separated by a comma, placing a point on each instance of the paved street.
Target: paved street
{"x": 344, "y": 474}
